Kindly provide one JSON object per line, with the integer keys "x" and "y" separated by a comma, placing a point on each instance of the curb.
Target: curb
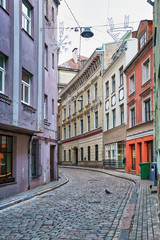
{"x": 25, "y": 198}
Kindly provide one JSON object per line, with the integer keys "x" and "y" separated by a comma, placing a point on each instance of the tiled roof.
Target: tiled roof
{"x": 71, "y": 63}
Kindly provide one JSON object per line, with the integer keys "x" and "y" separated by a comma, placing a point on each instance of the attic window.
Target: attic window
{"x": 143, "y": 39}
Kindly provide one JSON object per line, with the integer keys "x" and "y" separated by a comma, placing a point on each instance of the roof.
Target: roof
{"x": 71, "y": 63}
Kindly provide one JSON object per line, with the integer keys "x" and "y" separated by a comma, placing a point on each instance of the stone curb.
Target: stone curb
{"x": 25, "y": 198}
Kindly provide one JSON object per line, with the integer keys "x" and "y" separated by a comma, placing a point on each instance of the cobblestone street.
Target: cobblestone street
{"x": 78, "y": 210}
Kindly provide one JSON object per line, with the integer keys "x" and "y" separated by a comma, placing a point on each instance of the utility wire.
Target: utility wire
{"x": 71, "y": 13}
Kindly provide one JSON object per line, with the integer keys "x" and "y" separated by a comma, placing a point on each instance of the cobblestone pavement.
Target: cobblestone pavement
{"x": 79, "y": 210}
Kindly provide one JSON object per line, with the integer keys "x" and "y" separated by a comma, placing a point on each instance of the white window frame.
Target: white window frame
{"x": 107, "y": 118}
{"x": 114, "y": 110}
{"x": 121, "y": 76}
{"x": 64, "y": 113}
{"x": 120, "y": 107}
{"x": 88, "y": 96}
{"x": 74, "y": 106}
{"x": 130, "y": 109}
{"x": 96, "y": 91}
{"x": 69, "y": 110}
{"x": 113, "y": 78}
{"x": 107, "y": 84}
{"x": 143, "y": 107}
{"x": 28, "y": 85}
{"x": 81, "y": 103}
{"x": 64, "y": 133}
{"x": 131, "y": 88}
{"x": 3, "y": 3}
{"x": 89, "y": 123}
{"x": 69, "y": 131}
{"x": 147, "y": 61}
{"x": 107, "y": 151}
{"x": 26, "y": 18}
{"x": 81, "y": 127}
{"x": 143, "y": 39}
{"x": 2, "y": 70}
{"x": 95, "y": 119}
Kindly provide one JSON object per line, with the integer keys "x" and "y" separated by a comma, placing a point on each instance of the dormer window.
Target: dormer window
{"x": 142, "y": 40}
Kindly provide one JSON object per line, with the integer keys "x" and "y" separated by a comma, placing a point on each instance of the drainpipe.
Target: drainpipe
{"x": 102, "y": 55}
{"x": 29, "y": 158}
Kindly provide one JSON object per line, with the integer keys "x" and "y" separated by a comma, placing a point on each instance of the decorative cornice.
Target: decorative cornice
{"x": 131, "y": 102}
{"x": 145, "y": 92}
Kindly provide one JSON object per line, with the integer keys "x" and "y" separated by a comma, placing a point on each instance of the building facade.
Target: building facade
{"x": 28, "y": 95}
{"x": 115, "y": 107}
{"x": 81, "y": 114}
{"x": 156, "y": 69}
{"x": 139, "y": 74}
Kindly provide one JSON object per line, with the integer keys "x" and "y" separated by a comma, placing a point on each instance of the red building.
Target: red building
{"x": 139, "y": 75}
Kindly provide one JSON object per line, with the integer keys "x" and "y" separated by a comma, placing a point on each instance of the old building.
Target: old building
{"x": 81, "y": 113}
{"x": 115, "y": 107}
{"x": 156, "y": 69}
{"x": 28, "y": 95}
{"x": 67, "y": 70}
{"x": 139, "y": 74}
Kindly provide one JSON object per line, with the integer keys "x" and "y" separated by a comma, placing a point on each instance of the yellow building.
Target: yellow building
{"x": 81, "y": 117}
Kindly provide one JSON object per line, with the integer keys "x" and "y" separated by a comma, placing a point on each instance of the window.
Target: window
{"x": 69, "y": 131}
{"x": 69, "y": 154}
{"x": 80, "y": 102}
{"x": 81, "y": 154}
{"x": 122, "y": 114}
{"x": 131, "y": 84}
{"x": 3, "y": 3}
{"x": 146, "y": 71}
{"x": 114, "y": 117}
{"x": 95, "y": 91}
{"x": 89, "y": 153}
{"x": 113, "y": 83}
{"x": 25, "y": 91}
{"x": 64, "y": 155}
{"x": 143, "y": 39}
{"x": 147, "y": 110}
{"x": 6, "y": 150}
{"x": 69, "y": 110}
{"x": 107, "y": 121}
{"x": 96, "y": 152}
{"x": 113, "y": 151}
{"x": 52, "y": 60}
{"x": 81, "y": 125}
{"x": 52, "y": 106}
{"x": 64, "y": 133}
{"x": 2, "y": 74}
{"x": 88, "y": 97}
{"x": 46, "y": 9}
{"x": 36, "y": 163}
{"x": 108, "y": 153}
{"x": 121, "y": 76}
{"x": 26, "y": 17}
{"x": 45, "y": 107}
{"x": 64, "y": 114}
{"x": 74, "y": 110}
{"x": 46, "y": 57}
{"x": 75, "y": 129}
{"x": 107, "y": 89}
{"x": 96, "y": 119}
{"x": 52, "y": 14}
{"x": 88, "y": 123}
{"x": 132, "y": 117}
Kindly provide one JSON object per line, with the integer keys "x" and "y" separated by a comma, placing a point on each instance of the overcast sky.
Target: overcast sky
{"x": 96, "y": 13}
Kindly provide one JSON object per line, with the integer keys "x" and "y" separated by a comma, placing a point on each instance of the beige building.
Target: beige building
{"x": 81, "y": 127}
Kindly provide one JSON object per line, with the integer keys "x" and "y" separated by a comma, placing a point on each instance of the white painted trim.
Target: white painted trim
{"x": 143, "y": 107}
{"x": 133, "y": 106}
{"x": 139, "y": 135}
{"x": 143, "y": 67}
{"x": 133, "y": 74}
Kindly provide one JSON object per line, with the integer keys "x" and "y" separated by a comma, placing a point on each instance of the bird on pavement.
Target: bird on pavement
{"x": 107, "y": 191}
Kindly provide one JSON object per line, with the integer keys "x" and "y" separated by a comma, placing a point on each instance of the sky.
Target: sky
{"x": 95, "y": 14}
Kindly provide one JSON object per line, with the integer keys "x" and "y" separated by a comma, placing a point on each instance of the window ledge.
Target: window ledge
{"x": 144, "y": 84}
{"x": 7, "y": 183}
{"x": 122, "y": 85}
{"x": 131, "y": 94}
{"x": 28, "y": 34}
{"x": 28, "y": 108}
{"x": 4, "y": 98}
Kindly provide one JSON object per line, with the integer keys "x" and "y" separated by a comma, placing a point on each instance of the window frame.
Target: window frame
{"x": 69, "y": 131}
{"x": 27, "y": 18}
{"x": 133, "y": 108}
{"x": 75, "y": 129}
{"x": 88, "y": 96}
{"x": 81, "y": 125}
{"x": 96, "y": 152}
{"x": 64, "y": 155}
{"x": 2, "y": 70}
{"x": 23, "y": 85}
{"x": 46, "y": 56}
{"x": 121, "y": 114}
{"x": 64, "y": 113}
{"x": 45, "y": 107}
{"x": 121, "y": 76}
{"x": 146, "y": 113}
{"x": 96, "y": 91}
{"x": 74, "y": 107}
{"x": 82, "y": 153}
{"x": 107, "y": 121}
{"x": 88, "y": 123}
{"x": 64, "y": 133}
{"x": 131, "y": 86}
{"x": 113, "y": 83}
{"x": 96, "y": 119}
{"x": 144, "y": 64}
{"x": 107, "y": 89}
{"x": 114, "y": 118}
{"x": 3, "y": 4}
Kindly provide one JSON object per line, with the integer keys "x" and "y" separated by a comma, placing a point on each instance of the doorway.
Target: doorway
{"x": 133, "y": 157}
{"x": 52, "y": 176}
{"x": 150, "y": 151}
{"x": 76, "y": 155}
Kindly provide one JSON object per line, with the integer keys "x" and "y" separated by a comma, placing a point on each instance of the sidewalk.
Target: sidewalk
{"x": 140, "y": 220}
{"x": 20, "y": 197}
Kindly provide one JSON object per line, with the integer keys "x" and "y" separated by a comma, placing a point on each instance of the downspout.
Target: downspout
{"x": 102, "y": 55}
{"x": 29, "y": 158}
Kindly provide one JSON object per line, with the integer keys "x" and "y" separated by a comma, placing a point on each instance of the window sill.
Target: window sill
{"x": 4, "y": 98}
{"x": 131, "y": 94}
{"x": 122, "y": 85}
{"x": 144, "y": 84}
{"x": 5, "y": 10}
{"x": 12, "y": 181}
{"x": 28, "y": 34}
{"x": 27, "y": 107}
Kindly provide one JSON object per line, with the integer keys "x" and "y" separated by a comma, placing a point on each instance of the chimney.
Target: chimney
{"x": 75, "y": 55}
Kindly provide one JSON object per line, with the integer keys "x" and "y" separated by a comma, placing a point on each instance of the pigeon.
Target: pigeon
{"x": 107, "y": 191}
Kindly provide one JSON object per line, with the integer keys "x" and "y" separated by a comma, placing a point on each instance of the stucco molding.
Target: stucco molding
{"x": 139, "y": 135}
